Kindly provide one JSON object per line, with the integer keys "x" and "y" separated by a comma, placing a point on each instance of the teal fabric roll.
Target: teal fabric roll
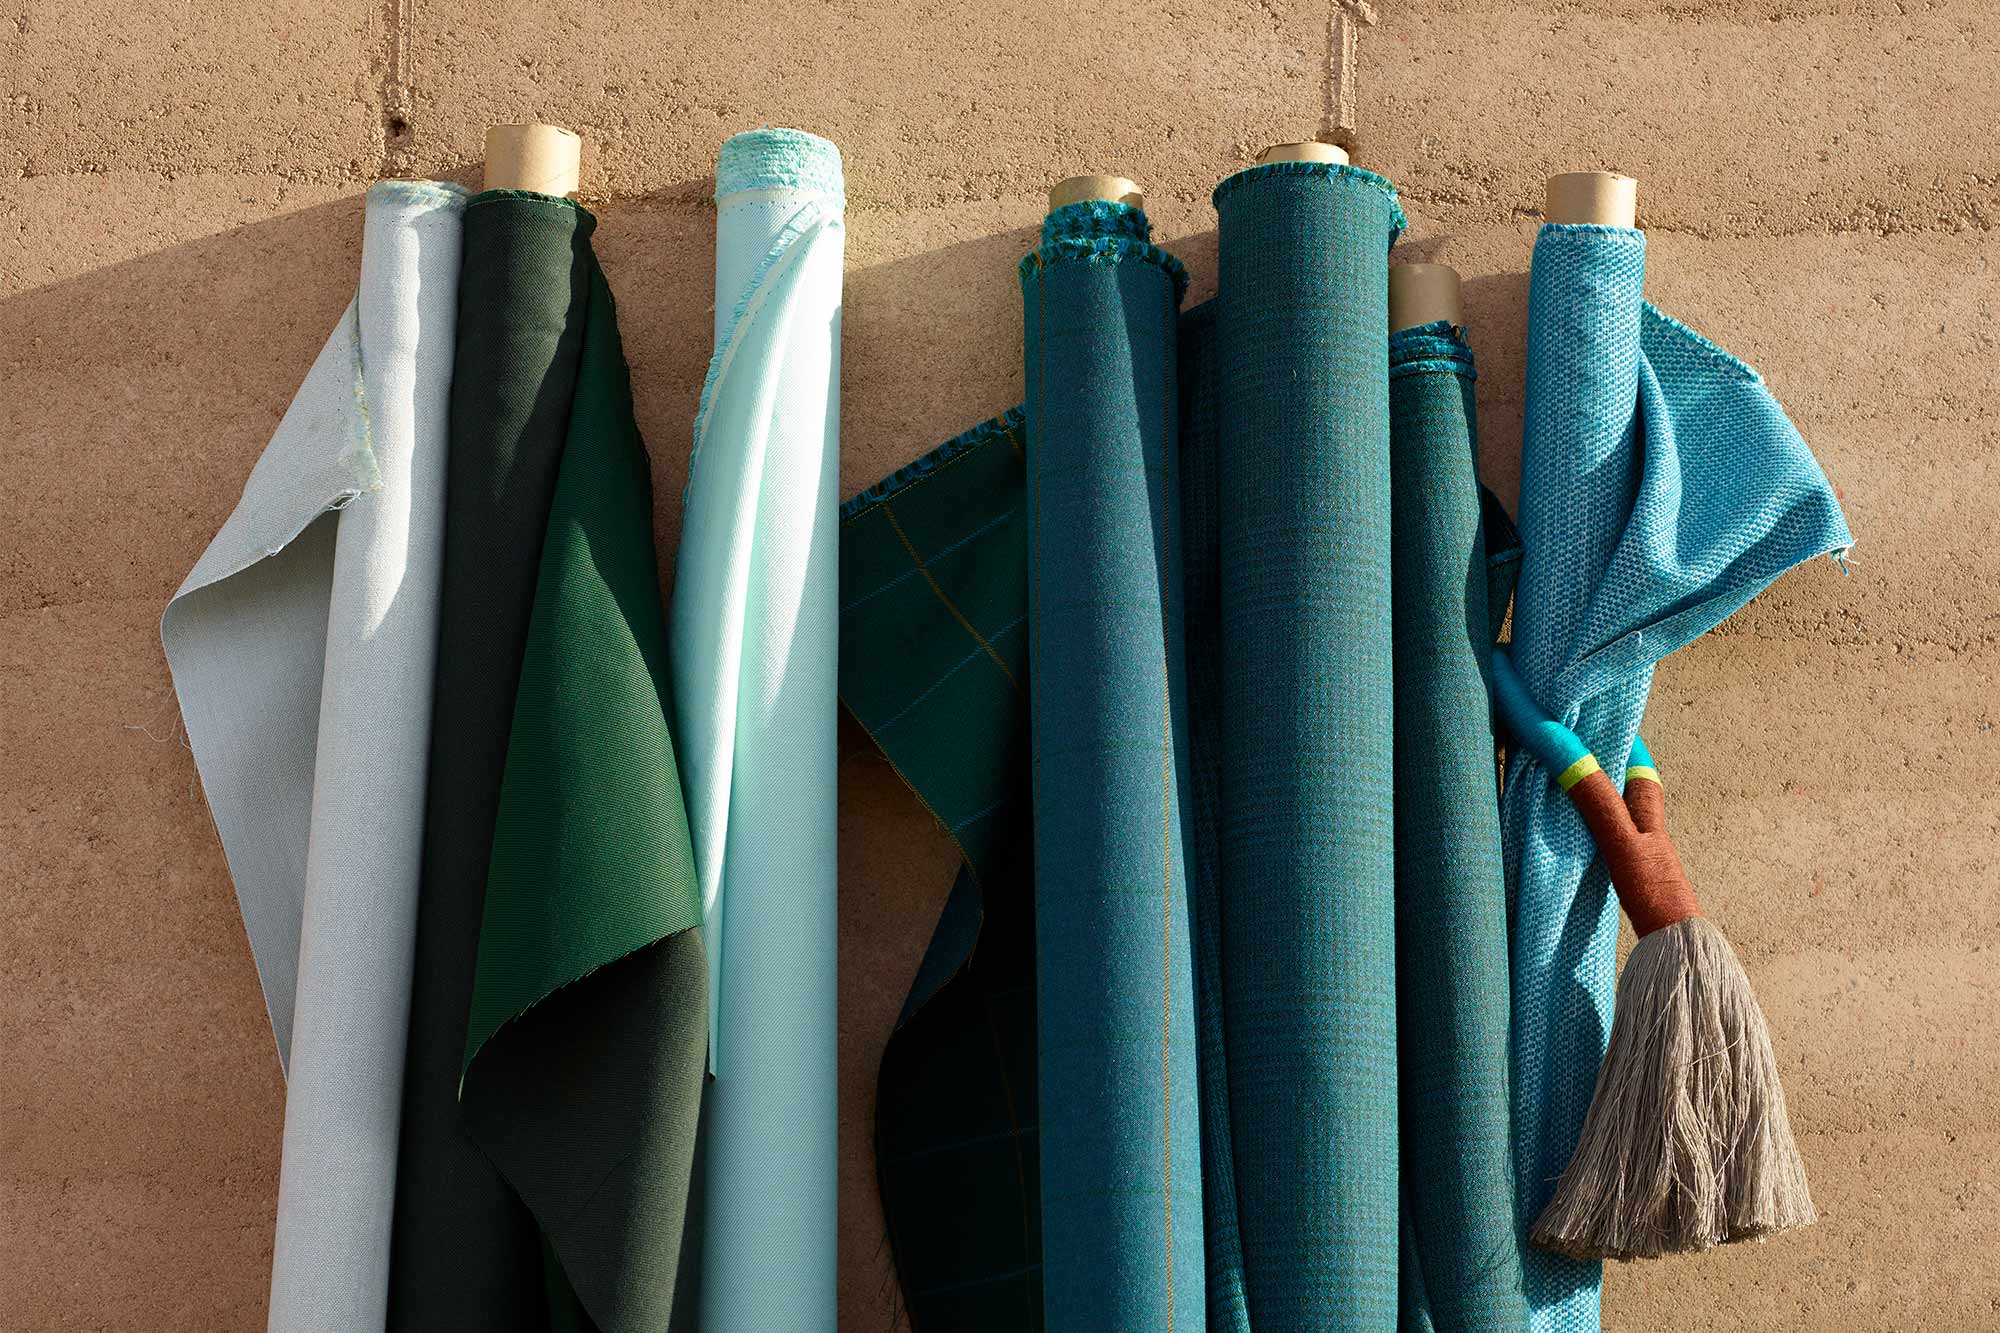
{"x": 1201, "y": 397}
{"x": 1662, "y": 487}
{"x": 1307, "y": 846}
{"x": 1462, "y": 1267}
{"x": 1121, "y": 1170}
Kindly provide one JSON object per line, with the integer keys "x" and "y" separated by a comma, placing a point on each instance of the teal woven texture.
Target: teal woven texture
{"x": 1461, "y": 1269}
{"x": 1120, "y": 1156}
{"x": 1662, "y": 487}
{"x": 1308, "y": 827}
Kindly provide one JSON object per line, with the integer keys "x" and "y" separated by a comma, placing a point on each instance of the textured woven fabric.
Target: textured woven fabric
{"x": 934, "y": 666}
{"x": 302, "y": 648}
{"x": 466, "y": 1253}
{"x": 1307, "y": 845}
{"x": 1462, "y": 1269}
{"x": 588, "y": 1032}
{"x": 1661, "y": 488}
{"x": 754, "y": 626}
{"x": 1200, "y": 406}
{"x": 1120, "y": 1132}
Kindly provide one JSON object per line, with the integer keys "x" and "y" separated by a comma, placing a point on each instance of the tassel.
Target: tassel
{"x": 1687, "y": 1144}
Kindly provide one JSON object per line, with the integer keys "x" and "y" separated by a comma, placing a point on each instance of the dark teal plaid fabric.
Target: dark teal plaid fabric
{"x": 1461, "y": 1263}
{"x": 1120, "y": 1120}
{"x": 934, "y": 665}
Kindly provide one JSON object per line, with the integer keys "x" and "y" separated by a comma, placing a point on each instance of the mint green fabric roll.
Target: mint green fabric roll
{"x": 755, "y": 622}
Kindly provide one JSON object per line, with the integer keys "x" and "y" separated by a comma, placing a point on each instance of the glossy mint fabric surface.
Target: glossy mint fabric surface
{"x": 934, "y": 666}
{"x": 1120, "y": 1126}
{"x": 1662, "y": 487}
{"x": 754, "y": 642}
{"x": 1461, "y": 1269}
{"x": 558, "y": 1028}
{"x": 1307, "y": 824}
{"x": 302, "y": 647}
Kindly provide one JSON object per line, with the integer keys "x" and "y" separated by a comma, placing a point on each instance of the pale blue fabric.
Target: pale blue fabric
{"x": 1662, "y": 487}
{"x": 755, "y": 623}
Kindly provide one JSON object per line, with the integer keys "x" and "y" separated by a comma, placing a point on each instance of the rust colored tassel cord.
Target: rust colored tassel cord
{"x": 1687, "y": 1144}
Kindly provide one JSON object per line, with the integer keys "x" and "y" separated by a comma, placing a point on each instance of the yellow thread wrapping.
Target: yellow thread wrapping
{"x": 1644, "y": 771}
{"x": 1577, "y": 772}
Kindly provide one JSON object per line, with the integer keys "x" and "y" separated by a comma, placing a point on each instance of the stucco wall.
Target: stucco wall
{"x": 180, "y": 195}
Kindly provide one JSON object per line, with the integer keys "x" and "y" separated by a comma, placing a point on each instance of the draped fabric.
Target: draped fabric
{"x": 1662, "y": 487}
{"x": 1461, "y": 1267}
{"x": 558, "y": 1030}
{"x": 934, "y": 666}
{"x": 754, "y": 639}
{"x": 1120, "y": 1128}
{"x": 302, "y": 647}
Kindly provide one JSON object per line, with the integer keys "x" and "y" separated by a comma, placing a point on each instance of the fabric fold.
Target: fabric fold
{"x": 1307, "y": 829}
{"x": 1461, "y": 1270}
{"x": 934, "y": 666}
{"x": 753, "y": 634}
{"x": 1120, "y": 1129}
{"x": 1661, "y": 488}
{"x": 302, "y": 647}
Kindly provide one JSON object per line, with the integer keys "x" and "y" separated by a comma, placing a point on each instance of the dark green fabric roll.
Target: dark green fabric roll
{"x": 464, "y": 1252}
{"x": 1307, "y": 859}
{"x": 934, "y": 666}
{"x": 557, "y": 953}
{"x": 1462, "y": 1265}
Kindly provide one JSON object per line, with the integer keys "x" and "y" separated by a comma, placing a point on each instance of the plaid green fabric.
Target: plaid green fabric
{"x": 934, "y": 665}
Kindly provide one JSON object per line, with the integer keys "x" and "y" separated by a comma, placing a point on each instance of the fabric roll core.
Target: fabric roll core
{"x": 1601, "y": 198}
{"x": 1424, "y": 294}
{"x": 544, "y": 158}
{"x": 1082, "y": 189}
{"x": 1310, "y": 151}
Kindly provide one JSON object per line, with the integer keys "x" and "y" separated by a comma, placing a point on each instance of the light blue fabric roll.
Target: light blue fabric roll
{"x": 1662, "y": 487}
{"x": 302, "y": 647}
{"x": 755, "y": 628}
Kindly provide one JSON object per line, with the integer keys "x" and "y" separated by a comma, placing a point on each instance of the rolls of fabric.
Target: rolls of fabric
{"x": 303, "y": 646}
{"x": 1661, "y": 488}
{"x": 754, "y": 642}
{"x": 1307, "y": 846}
{"x": 934, "y": 666}
{"x": 1462, "y": 1269}
{"x": 1120, "y": 1131}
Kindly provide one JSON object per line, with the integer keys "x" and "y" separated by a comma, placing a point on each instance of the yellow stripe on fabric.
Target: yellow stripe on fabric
{"x": 1578, "y": 771}
{"x": 1643, "y": 771}
{"x": 924, "y": 569}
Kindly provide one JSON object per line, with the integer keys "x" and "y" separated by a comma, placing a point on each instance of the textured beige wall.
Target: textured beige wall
{"x": 180, "y": 201}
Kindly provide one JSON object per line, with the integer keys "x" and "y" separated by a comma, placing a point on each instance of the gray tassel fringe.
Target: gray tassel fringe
{"x": 1686, "y": 1145}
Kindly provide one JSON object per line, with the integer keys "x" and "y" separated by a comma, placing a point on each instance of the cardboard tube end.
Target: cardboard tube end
{"x": 1303, "y": 152}
{"x": 1424, "y": 294}
{"x": 544, "y": 158}
{"x": 1113, "y": 189}
{"x": 1601, "y": 197}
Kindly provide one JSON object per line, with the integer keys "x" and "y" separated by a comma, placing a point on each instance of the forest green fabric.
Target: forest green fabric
{"x": 465, "y": 1253}
{"x": 577, "y": 1008}
{"x": 933, "y": 665}
{"x": 1461, "y": 1269}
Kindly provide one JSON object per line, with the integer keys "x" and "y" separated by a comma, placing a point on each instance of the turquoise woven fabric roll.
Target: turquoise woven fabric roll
{"x": 1662, "y": 487}
{"x": 1307, "y": 859}
{"x": 1120, "y": 1158}
{"x": 1462, "y": 1269}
